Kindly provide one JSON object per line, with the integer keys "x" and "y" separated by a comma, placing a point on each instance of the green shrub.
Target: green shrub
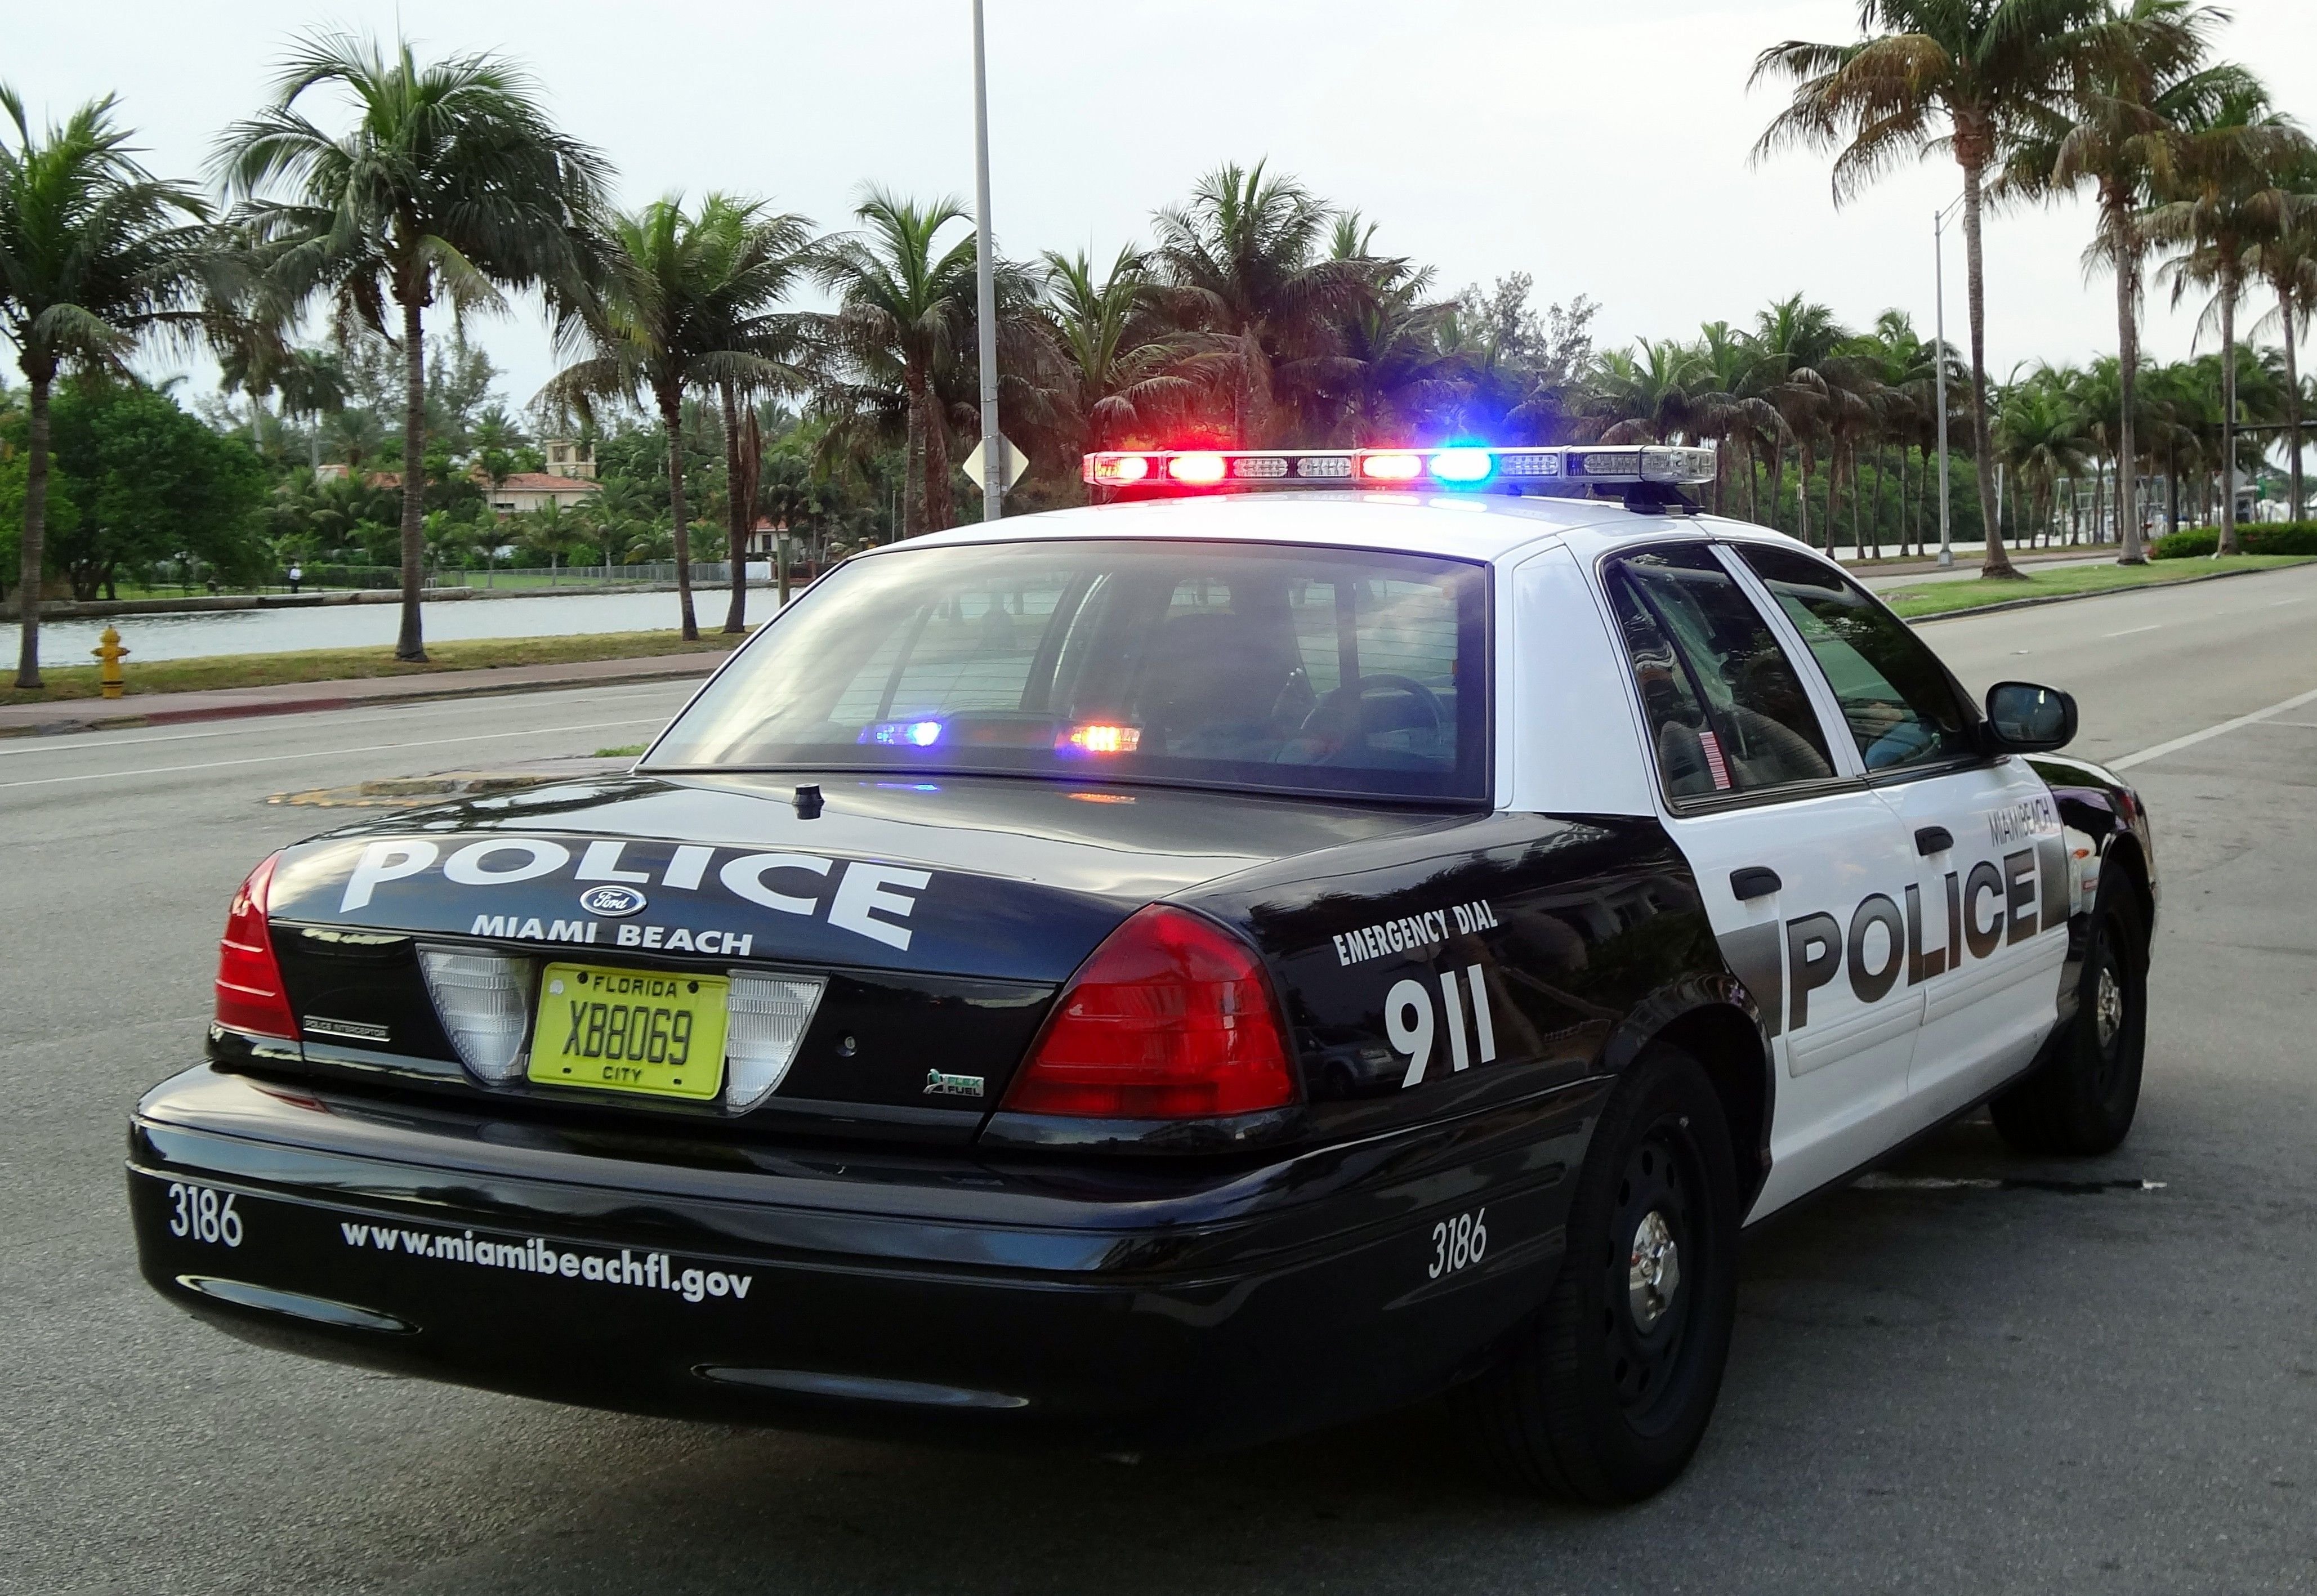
{"x": 2286, "y": 537}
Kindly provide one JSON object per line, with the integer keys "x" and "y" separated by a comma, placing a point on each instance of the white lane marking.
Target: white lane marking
{"x": 270, "y": 759}
{"x": 2302, "y": 599}
{"x": 2129, "y": 630}
{"x": 2210, "y": 732}
{"x": 245, "y": 726}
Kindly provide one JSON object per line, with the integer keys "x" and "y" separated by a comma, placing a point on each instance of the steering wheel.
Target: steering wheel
{"x": 1333, "y": 704}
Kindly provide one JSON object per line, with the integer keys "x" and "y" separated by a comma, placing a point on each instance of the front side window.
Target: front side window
{"x": 1283, "y": 669}
{"x": 1726, "y": 711}
{"x": 1899, "y": 704}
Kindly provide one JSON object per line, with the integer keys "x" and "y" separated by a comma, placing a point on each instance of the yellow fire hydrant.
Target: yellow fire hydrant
{"x": 110, "y": 653}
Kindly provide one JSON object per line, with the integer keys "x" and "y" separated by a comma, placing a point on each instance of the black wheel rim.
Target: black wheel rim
{"x": 2113, "y": 1007}
{"x": 1653, "y": 1272}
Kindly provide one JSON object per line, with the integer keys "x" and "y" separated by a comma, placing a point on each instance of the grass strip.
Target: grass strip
{"x": 1948, "y": 598}
{"x": 343, "y": 664}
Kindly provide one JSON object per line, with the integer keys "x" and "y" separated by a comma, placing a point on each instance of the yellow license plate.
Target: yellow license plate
{"x": 629, "y": 1031}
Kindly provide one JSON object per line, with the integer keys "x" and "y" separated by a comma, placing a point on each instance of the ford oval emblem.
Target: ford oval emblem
{"x": 613, "y": 903}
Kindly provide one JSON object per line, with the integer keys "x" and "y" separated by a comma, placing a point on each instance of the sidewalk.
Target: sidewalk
{"x": 165, "y": 708}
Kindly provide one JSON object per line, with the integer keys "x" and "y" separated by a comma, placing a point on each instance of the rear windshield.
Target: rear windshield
{"x": 1281, "y": 669}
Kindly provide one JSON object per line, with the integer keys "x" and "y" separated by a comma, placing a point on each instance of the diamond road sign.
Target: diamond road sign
{"x": 977, "y": 464}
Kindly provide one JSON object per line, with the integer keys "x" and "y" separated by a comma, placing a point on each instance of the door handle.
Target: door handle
{"x": 1754, "y": 881}
{"x": 1933, "y": 839}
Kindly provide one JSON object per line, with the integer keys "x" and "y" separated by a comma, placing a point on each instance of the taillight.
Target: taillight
{"x": 1172, "y": 1018}
{"x": 249, "y": 991}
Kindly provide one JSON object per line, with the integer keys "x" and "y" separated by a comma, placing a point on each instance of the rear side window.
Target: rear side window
{"x": 1303, "y": 670}
{"x": 1901, "y": 708}
{"x": 1726, "y": 711}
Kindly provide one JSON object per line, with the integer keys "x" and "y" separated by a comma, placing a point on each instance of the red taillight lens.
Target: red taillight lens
{"x": 250, "y": 996}
{"x": 1171, "y": 1019}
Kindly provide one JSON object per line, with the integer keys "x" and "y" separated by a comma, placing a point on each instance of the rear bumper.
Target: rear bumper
{"x": 1130, "y": 1308}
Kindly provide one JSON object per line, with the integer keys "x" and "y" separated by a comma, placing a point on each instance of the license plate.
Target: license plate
{"x": 629, "y": 1031}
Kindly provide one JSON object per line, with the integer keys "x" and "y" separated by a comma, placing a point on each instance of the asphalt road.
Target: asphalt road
{"x": 1934, "y": 1387}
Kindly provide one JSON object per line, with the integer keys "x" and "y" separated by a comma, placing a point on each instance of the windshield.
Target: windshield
{"x": 1281, "y": 669}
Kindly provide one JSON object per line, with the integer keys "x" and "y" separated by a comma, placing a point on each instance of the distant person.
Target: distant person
{"x": 296, "y": 576}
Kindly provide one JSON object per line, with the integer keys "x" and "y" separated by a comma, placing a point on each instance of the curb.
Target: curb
{"x": 66, "y": 724}
{"x": 2102, "y": 592}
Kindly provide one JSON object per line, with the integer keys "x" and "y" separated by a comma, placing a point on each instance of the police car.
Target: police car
{"x": 1325, "y": 929}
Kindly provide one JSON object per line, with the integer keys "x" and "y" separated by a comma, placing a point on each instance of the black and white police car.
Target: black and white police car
{"x": 1176, "y": 973}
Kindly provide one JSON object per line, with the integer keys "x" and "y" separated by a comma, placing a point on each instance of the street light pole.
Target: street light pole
{"x": 1939, "y": 292}
{"x": 993, "y": 469}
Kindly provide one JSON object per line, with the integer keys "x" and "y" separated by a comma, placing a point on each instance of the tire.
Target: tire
{"x": 2079, "y": 1098}
{"x": 1604, "y": 1397}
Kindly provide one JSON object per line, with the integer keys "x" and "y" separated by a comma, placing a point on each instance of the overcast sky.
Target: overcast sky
{"x": 1601, "y": 147}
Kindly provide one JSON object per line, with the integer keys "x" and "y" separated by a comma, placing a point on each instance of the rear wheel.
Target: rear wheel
{"x": 1606, "y": 1396}
{"x": 2081, "y": 1098}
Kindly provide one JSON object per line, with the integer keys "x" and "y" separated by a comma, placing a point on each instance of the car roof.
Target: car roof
{"x": 1472, "y": 526}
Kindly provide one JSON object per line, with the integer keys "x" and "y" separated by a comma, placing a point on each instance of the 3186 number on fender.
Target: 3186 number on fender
{"x": 1458, "y": 1244}
{"x": 203, "y": 1214}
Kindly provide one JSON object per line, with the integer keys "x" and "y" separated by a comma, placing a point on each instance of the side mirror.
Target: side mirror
{"x": 2025, "y": 718}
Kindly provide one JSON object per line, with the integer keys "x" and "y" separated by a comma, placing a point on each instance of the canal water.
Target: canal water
{"x": 362, "y": 625}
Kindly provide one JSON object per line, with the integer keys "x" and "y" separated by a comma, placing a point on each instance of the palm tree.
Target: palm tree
{"x": 2136, "y": 76}
{"x": 670, "y": 313}
{"x": 2040, "y": 437}
{"x": 2288, "y": 265}
{"x": 450, "y": 186}
{"x": 312, "y": 383}
{"x": 1798, "y": 340}
{"x": 1246, "y": 265}
{"x": 905, "y": 312}
{"x": 1959, "y": 76}
{"x": 1655, "y": 397}
{"x": 95, "y": 255}
{"x": 760, "y": 257}
{"x": 1118, "y": 351}
{"x": 2223, "y": 204}
{"x": 1740, "y": 411}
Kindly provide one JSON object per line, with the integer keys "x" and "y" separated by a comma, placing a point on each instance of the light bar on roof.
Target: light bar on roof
{"x": 1465, "y": 467}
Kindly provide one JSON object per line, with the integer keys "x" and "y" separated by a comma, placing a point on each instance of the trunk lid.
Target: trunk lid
{"x": 942, "y": 915}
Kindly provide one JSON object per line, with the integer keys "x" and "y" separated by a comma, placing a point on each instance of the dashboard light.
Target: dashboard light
{"x": 1100, "y": 738}
{"x": 1198, "y": 470}
{"x": 1463, "y": 465}
{"x": 902, "y": 734}
{"x": 1393, "y": 468}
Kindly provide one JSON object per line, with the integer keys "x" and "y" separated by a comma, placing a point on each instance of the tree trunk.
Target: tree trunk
{"x": 671, "y": 419}
{"x": 412, "y": 643}
{"x": 739, "y": 500}
{"x": 1777, "y": 481}
{"x": 941, "y": 504}
{"x": 36, "y": 526}
{"x": 2129, "y": 548}
{"x": 1802, "y": 494}
{"x": 913, "y": 475}
{"x": 2291, "y": 395}
{"x": 2228, "y": 420}
{"x": 1997, "y": 562}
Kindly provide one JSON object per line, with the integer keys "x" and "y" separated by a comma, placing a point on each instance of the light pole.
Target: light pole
{"x": 993, "y": 471}
{"x": 1939, "y": 292}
